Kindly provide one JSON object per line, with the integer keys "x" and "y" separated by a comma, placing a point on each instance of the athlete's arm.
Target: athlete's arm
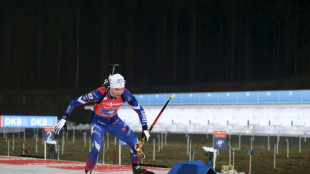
{"x": 133, "y": 102}
{"x": 92, "y": 96}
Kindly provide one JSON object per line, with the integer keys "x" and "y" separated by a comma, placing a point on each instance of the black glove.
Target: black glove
{"x": 145, "y": 133}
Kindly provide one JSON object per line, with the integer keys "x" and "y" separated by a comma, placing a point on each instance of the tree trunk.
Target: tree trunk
{"x": 163, "y": 64}
{"x": 130, "y": 33}
{"x": 77, "y": 47}
{"x": 220, "y": 50}
{"x": 277, "y": 65}
{"x": 274, "y": 50}
{"x": 7, "y": 56}
{"x": 193, "y": 45}
{"x": 232, "y": 56}
{"x": 58, "y": 79}
{"x": 39, "y": 45}
{"x": 247, "y": 48}
{"x": 159, "y": 52}
{"x": 105, "y": 41}
{"x": 295, "y": 40}
{"x": 175, "y": 54}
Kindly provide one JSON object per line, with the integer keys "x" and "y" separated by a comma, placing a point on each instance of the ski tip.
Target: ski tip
{"x": 172, "y": 96}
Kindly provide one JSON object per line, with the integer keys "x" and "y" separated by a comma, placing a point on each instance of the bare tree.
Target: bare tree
{"x": 296, "y": 38}
{"x": 77, "y": 46}
{"x": 193, "y": 44}
{"x": 164, "y": 35}
{"x": 39, "y": 56}
{"x": 105, "y": 40}
{"x": 59, "y": 50}
{"x": 247, "y": 46}
{"x": 233, "y": 35}
{"x": 175, "y": 52}
{"x": 130, "y": 39}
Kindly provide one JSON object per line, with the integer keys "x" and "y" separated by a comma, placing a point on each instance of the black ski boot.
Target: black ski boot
{"x": 86, "y": 171}
{"x": 137, "y": 170}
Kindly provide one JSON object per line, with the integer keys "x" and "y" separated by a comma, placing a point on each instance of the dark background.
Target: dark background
{"x": 51, "y": 44}
{"x": 52, "y": 48}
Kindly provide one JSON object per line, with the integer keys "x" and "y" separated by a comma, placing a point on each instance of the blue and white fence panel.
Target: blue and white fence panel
{"x": 216, "y": 98}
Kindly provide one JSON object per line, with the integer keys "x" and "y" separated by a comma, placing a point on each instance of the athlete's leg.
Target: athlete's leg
{"x": 97, "y": 132}
{"x": 124, "y": 133}
{"x": 121, "y": 131}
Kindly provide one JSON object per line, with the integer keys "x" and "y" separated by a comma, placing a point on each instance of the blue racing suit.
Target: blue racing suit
{"x": 105, "y": 119}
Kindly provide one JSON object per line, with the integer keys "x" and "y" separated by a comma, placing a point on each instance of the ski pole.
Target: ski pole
{"x": 139, "y": 144}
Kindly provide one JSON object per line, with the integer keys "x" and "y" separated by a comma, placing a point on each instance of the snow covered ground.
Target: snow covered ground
{"x": 15, "y": 165}
{"x": 283, "y": 119}
{"x": 269, "y": 119}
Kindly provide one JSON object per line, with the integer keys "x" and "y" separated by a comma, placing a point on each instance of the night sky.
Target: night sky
{"x": 53, "y": 44}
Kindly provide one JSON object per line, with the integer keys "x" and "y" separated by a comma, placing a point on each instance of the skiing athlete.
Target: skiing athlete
{"x": 107, "y": 100}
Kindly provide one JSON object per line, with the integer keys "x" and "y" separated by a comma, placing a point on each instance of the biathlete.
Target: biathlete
{"x": 108, "y": 100}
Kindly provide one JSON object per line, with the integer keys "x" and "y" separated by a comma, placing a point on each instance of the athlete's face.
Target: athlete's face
{"x": 116, "y": 92}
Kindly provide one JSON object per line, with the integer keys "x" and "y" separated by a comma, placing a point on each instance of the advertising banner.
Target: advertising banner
{"x": 48, "y": 133}
{"x": 219, "y": 140}
{"x": 23, "y": 121}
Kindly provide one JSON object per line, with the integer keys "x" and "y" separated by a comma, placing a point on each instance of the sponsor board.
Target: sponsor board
{"x": 48, "y": 133}
{"x": 219, "y": 140}
{"x": 21, "y": 121}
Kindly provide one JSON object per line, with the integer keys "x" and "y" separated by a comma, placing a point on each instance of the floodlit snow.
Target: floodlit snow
{"x": 289, "y": 120}
{"x": 14, "y": 165}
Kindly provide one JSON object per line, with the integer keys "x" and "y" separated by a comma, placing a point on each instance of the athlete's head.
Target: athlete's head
{"x": 117, "y": 85}
{"x": 116, "y": 81}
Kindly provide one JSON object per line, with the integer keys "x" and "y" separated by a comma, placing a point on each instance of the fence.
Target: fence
{"x": 216, "y": 98}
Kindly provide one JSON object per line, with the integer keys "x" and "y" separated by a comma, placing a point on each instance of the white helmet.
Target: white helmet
{"x": 116, "y": 81}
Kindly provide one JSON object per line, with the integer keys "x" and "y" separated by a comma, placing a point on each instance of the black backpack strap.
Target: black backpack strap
{"x": 105, "y": 93}
{"x": 123, "y": 98}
